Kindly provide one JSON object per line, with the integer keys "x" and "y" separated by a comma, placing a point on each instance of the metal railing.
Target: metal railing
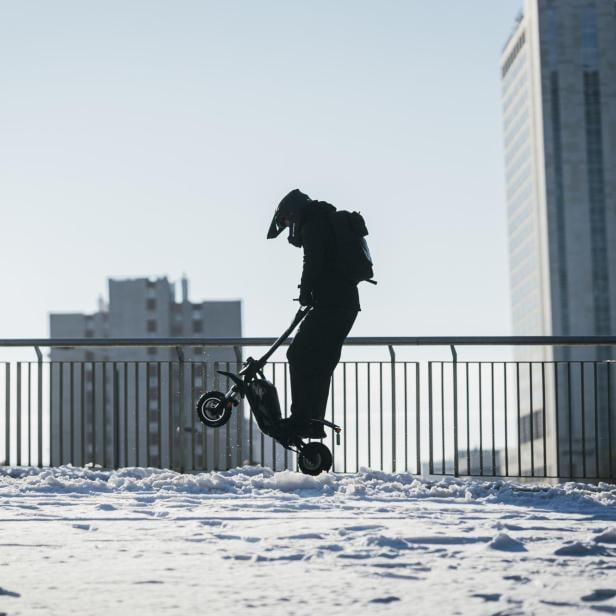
{"x": 537, "y": 419}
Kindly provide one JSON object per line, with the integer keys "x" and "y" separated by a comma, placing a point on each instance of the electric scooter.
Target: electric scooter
{"x": 214, "y": 408}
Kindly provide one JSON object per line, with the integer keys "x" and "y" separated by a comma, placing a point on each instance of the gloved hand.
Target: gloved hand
{"x": 305, "y": 297}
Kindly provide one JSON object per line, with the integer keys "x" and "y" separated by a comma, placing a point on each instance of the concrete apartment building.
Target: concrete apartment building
{"x": 124, "y": 407}
{"x": 558, "y": 71}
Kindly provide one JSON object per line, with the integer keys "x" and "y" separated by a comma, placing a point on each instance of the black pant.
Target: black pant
{"x": 313, "y": 355}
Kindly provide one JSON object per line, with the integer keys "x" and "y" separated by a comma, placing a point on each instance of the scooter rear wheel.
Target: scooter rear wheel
{"x": 315, "y": 458}
{"x": 212, "y": 410}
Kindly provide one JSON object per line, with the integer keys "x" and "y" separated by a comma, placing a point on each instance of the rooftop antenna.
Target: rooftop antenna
{"x": 184, "y": 289}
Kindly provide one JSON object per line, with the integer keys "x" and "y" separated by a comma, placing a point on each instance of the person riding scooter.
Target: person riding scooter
{"x": 315, "y": 351}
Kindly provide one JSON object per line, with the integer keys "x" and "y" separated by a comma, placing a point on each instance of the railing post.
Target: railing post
{"x": 18, "y": 417}
{"x": 216, "y": 433}
{"x": 116, "y": 416}
{"x": 456, "y": 467}
{"x": 181, "y": 421}
{"x": 430, "y": 423}
{"x": 418, "y": 418}
{"x": 39, "y": 414}
{"x": 392, "y": 356}
{"x": 7, "y": 410}
{"x": 240, "y": 413}
{"x": 171, "y": 405}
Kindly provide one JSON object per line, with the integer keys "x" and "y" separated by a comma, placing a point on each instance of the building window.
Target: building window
{"x": 514, "y": 54}
{"x": 197, "y": 327}
{"x": 150, "y": 289}
{"x": 151, "y": 303}
{"x": 152, "y": 326}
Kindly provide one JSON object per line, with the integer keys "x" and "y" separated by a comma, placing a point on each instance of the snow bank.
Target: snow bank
{"x": 367, "y": 484}
{"x": 369, "y": 543}
{"x": 505, "y": 543}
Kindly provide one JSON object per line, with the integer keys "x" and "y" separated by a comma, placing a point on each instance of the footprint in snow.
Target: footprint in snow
{"x": 304, "y": 536}
{"x": 236, "y": 538}
{"x": 106, "y": 507}
{"x": 605, "y": 609}
{"x": 607, "y": 536}
{"x": 600, "y": 594}
{"x": 383, "y": 541}
{"x": 359, "y": 528}
{"x": 521, "y": 579}
{"x": 389, "y": 599}
{"x": 501, "y": 526}
{"x": 495, "y": 596}
{"x": 261, "y": 559}
{"x": 580, "y": 549}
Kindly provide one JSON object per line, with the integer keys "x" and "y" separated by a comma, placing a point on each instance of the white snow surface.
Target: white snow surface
{"x": 248, "y": 540}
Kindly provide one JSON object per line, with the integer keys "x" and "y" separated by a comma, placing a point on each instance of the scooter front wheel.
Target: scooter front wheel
{"x": 213, "y": 410}
{"x": 314, "y": 458}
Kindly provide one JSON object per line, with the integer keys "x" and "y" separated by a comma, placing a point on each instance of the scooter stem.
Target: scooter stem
{"x": 299, "y": 317}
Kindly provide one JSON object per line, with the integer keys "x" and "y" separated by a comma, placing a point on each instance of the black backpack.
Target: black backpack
{"x": 353, "y": 258}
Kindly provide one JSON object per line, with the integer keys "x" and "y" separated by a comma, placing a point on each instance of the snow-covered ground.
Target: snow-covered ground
{"x": 145, "y": 541}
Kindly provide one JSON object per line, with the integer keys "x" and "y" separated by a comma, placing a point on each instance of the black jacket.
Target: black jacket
{"x": 328, "y": 287}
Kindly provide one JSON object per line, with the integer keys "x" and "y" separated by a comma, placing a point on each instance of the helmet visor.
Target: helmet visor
{"x": 277, "y": 226}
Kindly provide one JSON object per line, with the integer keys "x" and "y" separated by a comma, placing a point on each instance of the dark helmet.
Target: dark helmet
{"x": 289, "y": 213}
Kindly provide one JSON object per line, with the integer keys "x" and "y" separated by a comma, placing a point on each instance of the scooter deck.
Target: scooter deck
{"x": 266, "y": 423}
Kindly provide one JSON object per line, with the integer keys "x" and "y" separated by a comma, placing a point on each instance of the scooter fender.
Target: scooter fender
{"x": 236, "y": 380}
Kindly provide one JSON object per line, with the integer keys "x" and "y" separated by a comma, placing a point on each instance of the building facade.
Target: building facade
{"x": 558, "y": 72}
{"x": 125, "y": 407}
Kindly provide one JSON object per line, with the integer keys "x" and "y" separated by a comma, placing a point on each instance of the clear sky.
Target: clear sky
{"x": 150, "y": 138}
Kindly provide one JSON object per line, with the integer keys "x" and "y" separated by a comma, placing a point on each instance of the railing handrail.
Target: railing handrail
{"x": 353, "y": 341}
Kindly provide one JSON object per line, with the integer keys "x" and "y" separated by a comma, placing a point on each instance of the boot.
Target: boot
{"x": 290, "y": 428}
{"x": 315, "y": 430}
{"x": 286, "y": 430}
